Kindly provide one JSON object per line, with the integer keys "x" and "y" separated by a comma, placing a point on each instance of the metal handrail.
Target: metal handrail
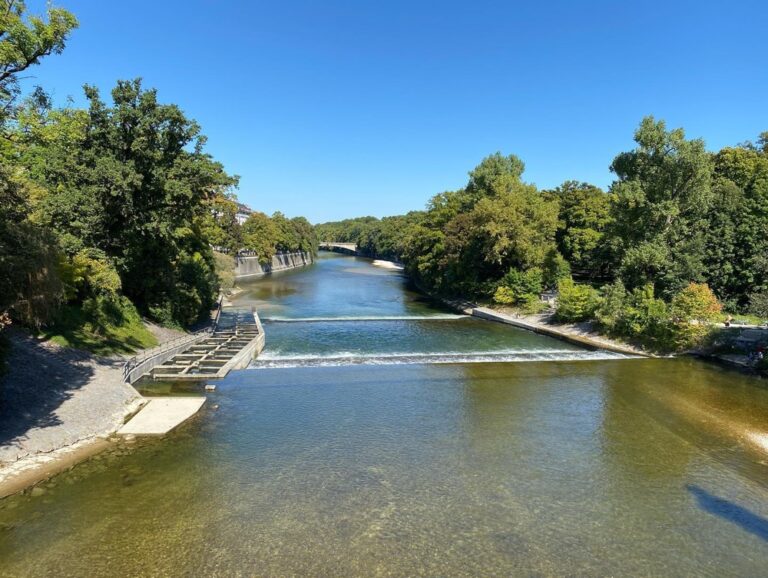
{"x": 146, "y": 354}
{"x": 140, "y": 358}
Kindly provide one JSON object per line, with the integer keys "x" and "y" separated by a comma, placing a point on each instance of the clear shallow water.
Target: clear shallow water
{"x": 588, "y": 467}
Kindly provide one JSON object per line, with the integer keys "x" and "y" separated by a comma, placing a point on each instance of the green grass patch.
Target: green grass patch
{"x": 101, "y": 326}
{"x": 743, "y": 319}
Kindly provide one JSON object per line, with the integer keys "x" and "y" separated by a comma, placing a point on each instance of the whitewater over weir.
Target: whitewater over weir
{"x": 276, "y": 357}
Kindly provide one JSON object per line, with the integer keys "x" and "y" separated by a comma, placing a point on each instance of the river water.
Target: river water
{"x": 379, "y": 435}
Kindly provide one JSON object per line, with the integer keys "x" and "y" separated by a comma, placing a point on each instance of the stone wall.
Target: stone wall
{"x": 249, "y": 267}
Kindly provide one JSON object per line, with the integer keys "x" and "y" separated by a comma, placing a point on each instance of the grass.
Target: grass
{"x": 743, "y": 318}
{"x": 76, "y": 328}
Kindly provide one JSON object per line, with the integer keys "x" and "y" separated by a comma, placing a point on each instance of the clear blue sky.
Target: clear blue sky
{"x": 336, "y": 109}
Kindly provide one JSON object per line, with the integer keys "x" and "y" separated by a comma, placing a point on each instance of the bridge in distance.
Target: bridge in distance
{"x": 347, "y": 248}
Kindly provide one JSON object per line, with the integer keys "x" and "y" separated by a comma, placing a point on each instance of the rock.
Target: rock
{"x": 37, "y": 491}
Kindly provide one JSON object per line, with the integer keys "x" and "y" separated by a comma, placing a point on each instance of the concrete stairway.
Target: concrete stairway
{"x": 239, "y": 336}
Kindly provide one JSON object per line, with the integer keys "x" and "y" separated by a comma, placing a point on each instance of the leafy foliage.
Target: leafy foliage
{"x": 575, "y": 302}
{"x": 584, "y": 215}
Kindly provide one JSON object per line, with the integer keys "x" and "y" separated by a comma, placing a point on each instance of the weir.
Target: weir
{"x": 432, "y": 339}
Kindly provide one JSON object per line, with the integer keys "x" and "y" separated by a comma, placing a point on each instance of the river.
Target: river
{"x": 379, "y": 435}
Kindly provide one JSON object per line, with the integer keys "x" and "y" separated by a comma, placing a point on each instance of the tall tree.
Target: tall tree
{"x": 737, "y": 235}
{"x": 29, "y": 283}
{"x": 24, "y": 40}
{"x": 584, "y": 214}
{"x": 134, "y": 182}
{"x": 661, "y": 200}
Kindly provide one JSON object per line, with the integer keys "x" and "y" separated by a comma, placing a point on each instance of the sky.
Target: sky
{"x": 334, "y": 109}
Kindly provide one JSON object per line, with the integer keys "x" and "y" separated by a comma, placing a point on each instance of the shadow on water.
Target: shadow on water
{"x": 727, "y": 510}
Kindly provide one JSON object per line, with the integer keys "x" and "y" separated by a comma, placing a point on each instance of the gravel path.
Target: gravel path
{"x": 52, "y": 397}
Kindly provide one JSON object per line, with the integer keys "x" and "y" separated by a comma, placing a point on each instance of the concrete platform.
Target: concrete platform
{"x": 162, "y": 414}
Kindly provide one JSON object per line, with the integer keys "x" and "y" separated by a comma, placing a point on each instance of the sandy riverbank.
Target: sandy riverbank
{"x": 387, "y": 264}
{"x": 59, "y": 406}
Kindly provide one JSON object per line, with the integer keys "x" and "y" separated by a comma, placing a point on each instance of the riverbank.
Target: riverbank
{"x": 59, "y": 406}
{"x": 583, "y": 334}
{"x": 578, "y": 333}
{"x": 384, "y": 264}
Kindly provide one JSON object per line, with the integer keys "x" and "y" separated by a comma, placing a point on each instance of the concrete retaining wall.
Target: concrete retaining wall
{"x": 249, "y": 267}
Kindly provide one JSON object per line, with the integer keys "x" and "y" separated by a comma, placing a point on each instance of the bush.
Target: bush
{"x": 519, "y": 287}
{"x": 758, "y": 304}
{"x": 696, "y": 302}
{"x": 504, "y": 295}
{"x": 694, "y": 308}
{"x": 575, "y": 302}
{"x": 646, "y": 318}
{"x": 225, "y": 270}
{"x": 611, "y": 305}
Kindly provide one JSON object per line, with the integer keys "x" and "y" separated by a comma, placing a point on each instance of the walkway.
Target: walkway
{"x": 161, "y": 415}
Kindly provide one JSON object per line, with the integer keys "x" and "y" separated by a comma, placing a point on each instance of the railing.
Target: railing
{"x": 148, "y": 354}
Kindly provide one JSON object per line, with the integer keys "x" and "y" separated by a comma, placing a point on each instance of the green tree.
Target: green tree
{"x": 30, "y": 284}
{"x": 24, "y": 40}
{"x": 133, "y": 181}
{"x": 660, "y": 205}
{"x": 261, "y": 235}
{"x": 575, "y": 302}
{"x": 584, "y": 215}
{"x": 219, "y": 224}
{"x": 737, "y": 233}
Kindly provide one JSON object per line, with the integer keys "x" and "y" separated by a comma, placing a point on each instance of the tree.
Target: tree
{"x": 514, "y": 228}
{"x": 693, "y": 308}
{"x": 30, "y": 285}
{"x": 24, "y": 41}
{"x": 261, "y": 235}
{"x": 133, "y": 181}
{"x": 737, "y": 235}
{"x": 575, "y": 302}
{"x": 661, "y": 200}
{"x": 219, "y": 224}
{"x": 584, "y": 214}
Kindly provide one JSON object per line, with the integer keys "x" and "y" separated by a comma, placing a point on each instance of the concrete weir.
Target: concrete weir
{"x": 238, "y": 338}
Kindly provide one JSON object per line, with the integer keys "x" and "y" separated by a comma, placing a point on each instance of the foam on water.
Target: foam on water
{"x": 277, "y": 360}
{"x": 439, "y": 317}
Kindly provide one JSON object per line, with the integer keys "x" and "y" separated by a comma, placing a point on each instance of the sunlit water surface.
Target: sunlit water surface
{"x": 342, "y": 453}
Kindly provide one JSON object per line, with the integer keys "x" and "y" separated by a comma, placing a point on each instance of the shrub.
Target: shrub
{"x": 575, "y": 302}
{"x": 520, "y": 286}
{"x": 758, "y": 304}
{"x": 696, "y": 302}
{"x": 611, "y": 305}
{"x": 225, "y": 270}
{"x": 693, "y": 308}
{"x": 504, "y": 295}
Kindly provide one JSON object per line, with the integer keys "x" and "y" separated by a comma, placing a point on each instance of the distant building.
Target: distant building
{"x": 243, "y": 212}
